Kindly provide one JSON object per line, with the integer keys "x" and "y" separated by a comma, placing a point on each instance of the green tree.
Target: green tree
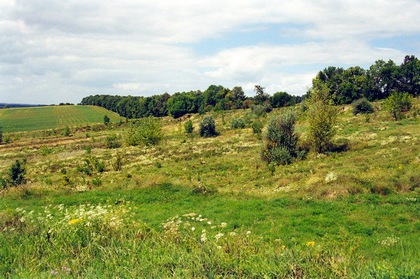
{"x": 397, "y": 104}
{"x": 208, "y": 127}
{"x": 282, "y": 99}
{"x": 188, "y": 127}
{"x": 106, "y": 120}
{"x": 260, "y": 96}
{"x": 322, "y": 118}
{"x": 17, "y": 173}
{"x": 281, "y": 139}
{"x": 362, "y": 106}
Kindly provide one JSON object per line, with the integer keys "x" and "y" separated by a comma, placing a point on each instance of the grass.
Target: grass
{"x": 52, "y": 117}
{"x": 210, "y": 208}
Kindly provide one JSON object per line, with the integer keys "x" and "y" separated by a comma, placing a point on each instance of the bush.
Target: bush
{"x": 397, "y": 104}
{"x": 362, "y": 106}
{"x": 1, "y": 136}
{"x": 147, "y": 131}
{"x": 106, "y": 120}
{"x": 322, "y": 119}
{"x": 237, "y": 123}
{"x": 188, "y": 126}
{"x": 112, "y": 141}
{"x": 257, "y": 127}
{"x": 208, "y": 127}
{"x": 17, "y": 173}
{"x": 261, "y": 110}
{"x": 281, "y": 140}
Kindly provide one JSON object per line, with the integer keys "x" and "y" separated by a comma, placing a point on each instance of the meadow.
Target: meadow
{"x": 51, "y": 117}
{"x": 195, "y": 207}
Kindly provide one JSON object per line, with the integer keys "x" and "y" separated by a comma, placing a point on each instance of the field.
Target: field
{"x": 210, "y": 208}
{"x": 50, "y": 117}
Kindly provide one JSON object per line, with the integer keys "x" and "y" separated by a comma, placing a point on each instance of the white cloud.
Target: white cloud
{"x": 61, "y": 51}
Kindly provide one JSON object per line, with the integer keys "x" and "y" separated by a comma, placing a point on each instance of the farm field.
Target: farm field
{"x": 195, "y": 207}
{"x": 51, "y": 117}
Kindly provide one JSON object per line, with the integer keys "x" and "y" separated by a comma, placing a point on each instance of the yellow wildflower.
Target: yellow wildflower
{"x": 74, "y": 221}
{"x": 310, "y": 243}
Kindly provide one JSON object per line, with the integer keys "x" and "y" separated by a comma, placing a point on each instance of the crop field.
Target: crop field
{"x": 193, "y": 207}
{"x": 51, "y": 117}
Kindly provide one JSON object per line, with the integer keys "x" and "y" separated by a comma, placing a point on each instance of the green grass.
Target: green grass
{"x": 51, "y": 117}
{"x": 210, "y": 208}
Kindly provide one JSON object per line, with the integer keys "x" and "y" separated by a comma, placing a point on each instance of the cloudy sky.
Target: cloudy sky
{"x": 54, "y": 51}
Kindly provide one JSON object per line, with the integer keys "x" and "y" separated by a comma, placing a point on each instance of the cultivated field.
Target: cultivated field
{"x": 211, "y": 208}
{"x": 51, "y": 117}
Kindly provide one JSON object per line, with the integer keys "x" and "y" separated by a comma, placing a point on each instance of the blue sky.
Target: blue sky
{"x": 61, "y": 51}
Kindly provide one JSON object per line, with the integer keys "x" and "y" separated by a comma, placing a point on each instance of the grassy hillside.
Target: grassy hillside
{"x": 196, "y": 207}
{"x": 51, "y": 117}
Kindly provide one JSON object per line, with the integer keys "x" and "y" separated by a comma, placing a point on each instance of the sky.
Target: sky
{"x": 61, "y": 51}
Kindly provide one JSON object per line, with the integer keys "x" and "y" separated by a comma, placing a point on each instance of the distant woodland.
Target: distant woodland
{"x": 344, "y": 85}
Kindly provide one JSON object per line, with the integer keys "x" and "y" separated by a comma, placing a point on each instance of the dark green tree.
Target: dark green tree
{"x": 17, "y": 173}
{"x": 106, "y": 120}
{"x": 208, "y": 127}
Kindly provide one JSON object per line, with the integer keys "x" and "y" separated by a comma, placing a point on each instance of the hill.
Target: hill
{"x": 51, "y": 117}
{"x": 195, "y": 207}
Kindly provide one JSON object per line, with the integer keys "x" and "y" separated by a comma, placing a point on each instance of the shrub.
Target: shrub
{"x": 261, "y": 110}
{"x": 106, "y": 120}
{"x": 322, "y": 119}
{"x": 281, "y": 140}
{"x": 66, "y": 131}
{"x": 362, "y": 106}
{"x": 237, "y": 123}
{"x": 397, "y": 104}
{"x": 147, "y": 131}
{"x": 188, "y": 127}
{"x": 112, "y": 141}
{"x": 257, "y": 126}
{"x": 208, "y": 127}
{"x": 1, "y": 136}
{"x": 17, "y": 173}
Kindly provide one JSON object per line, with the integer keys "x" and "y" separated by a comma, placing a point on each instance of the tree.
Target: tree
{"x": 260, "y": 96}
{"x": 398, "y": 103}
{"x": 106, "y": 120}
{"x": 409, "y": 76}
{"x": 208, "y": 127}
{"x": 188, "y": 126}
{"x": 1, "y": 135}
{"x": 322, "y": 118}
{"x": 282, "y": 99}
{"x": 281, "y": 140}
{"x": 17, "y": 173}
{"x": 362, "y": 106}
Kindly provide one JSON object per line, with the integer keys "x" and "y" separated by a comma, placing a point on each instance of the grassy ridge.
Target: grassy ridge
{"x": 51, "y": 117}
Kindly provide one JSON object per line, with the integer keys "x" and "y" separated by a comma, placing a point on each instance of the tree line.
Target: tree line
{"x": 344, "y": 86}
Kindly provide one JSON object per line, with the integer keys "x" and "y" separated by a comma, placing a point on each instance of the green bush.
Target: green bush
{"x": 237, "y": 123}
{"x": 208, "y": 127}
{"x": 1, "y": 136}
{"x": 322, "y": 119}
{"x": 188, "y": 127}
{"x": 17, "y": 173}
{"x": 281, "y": 140}
{"x": 146, "y": 131}
{"x": 362, "y": 106}
{"x": 257, "y": 127}
{"x": 112, "y": 141}
{"x": 397, "y": 104}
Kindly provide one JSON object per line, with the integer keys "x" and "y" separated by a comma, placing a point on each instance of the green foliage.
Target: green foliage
{"x": 208, "y": 127}
{"x": 397, "y": 104}
{"x": 66, "y": 131}
{"x": 281, "y": 140}
{"x": 188, "y": 127}
{"x": 112, "y": 141}
{"x": 362, "y": 106}
{"x": 16, "y": 173}
{"x": 106, "y": 119}
{"x": 146, "y": 131}
{"x": 237, "y": 123}
{"x": 117, "y": 163}
{"x": 257, "y": 127}
{"x": 1, "y": 135}
{"x": 322, "y": 119}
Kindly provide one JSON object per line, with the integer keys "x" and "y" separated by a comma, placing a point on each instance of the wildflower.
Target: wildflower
{"x": 331, "y": 176}
{"x": 203, "y": 237}
{"x": 74, "y": 221}
{"x": 310, "y": 243}
{"x": 219, "y": 247}
{"x": 223, "y": 225}
{"x": 218, "y": 236}
{"x": 209, "y": 223}
{"x": 248, "y": 233}
{"x": 193, "y": 228}
{"x": 232, "y": 233}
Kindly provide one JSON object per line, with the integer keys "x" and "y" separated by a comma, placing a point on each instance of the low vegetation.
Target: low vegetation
{"x": 92, "y": 205}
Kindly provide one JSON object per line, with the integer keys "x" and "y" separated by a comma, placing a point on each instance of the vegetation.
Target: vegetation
{"x": 52, "y": 117}
{"x": 281, "y": 140}
{"x": 1, "y": 135}
{"x": 322, "y": 119}
{"x": 188, "y": 127}
{"x": 362, "y": 106}
{"x": 397, "y": 104}
{"x": 16, "y": 173}
{"x": 146, "y": 131}
{"x": 208, "y": 127}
